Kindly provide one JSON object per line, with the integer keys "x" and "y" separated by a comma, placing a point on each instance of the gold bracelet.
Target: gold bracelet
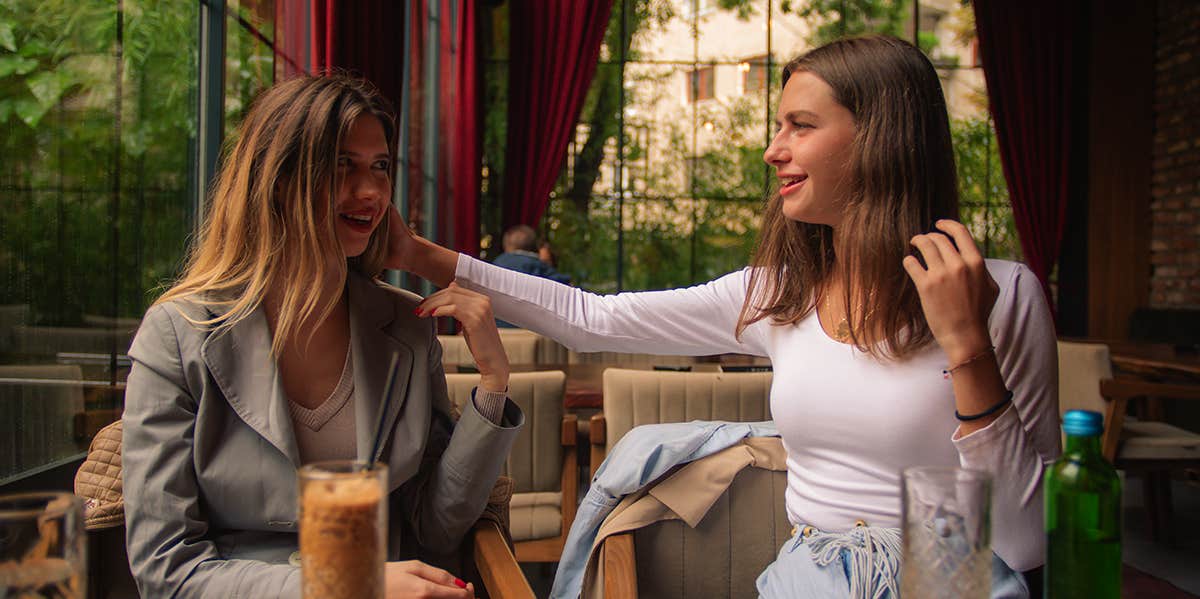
{"x": 950, "y": 370}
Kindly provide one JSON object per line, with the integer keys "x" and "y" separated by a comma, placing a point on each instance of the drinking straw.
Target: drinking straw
{"x": 384, "y": 408}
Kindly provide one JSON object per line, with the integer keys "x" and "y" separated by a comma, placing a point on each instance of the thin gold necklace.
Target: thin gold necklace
{"x": 841, "y": 330}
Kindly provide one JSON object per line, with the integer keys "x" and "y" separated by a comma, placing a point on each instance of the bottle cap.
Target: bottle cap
{"x": 1084, "y": 423}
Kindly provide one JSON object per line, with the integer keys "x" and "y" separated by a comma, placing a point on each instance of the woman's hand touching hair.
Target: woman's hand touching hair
{"x": 414, "y": 579}
{"x": 474, "y": 311}
{"x": 957, "y": 292}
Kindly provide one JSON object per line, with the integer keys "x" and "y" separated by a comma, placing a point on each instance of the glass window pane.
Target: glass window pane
{"x": 658, "y": 130}
{"x": 731, "y": 137}
{"x": 591, "y": 160}
{"x": 658, "y": 243}
{"x": 726, "y": 232}
{"x": 584, "y": 236}
{"x": 729, "y": 36}
{"x": 657, "y": 32}
{"x": 95, "y": 171}
{"x": 946, "y": 33}
{"x": 693, "y": 106}
{"x": 833, "y": 20}
{"x": 249, "y": 59}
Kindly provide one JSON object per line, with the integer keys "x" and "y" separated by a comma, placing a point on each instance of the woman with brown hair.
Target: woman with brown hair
{"x": 273, "y": 351}
{"x": 884, "y": 357}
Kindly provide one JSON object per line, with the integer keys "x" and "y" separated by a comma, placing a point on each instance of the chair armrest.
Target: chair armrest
{"x": 597, "y": 430}
{"x": 570, "y": 430}
{"x": 569, "y": 480}
{"x": 620, "y": 573}
{"x": 597, "y": 434}
{"x": 502, "y": 576}
{"x": 1119, "y": 391}
{"x": 1127, "y": 388}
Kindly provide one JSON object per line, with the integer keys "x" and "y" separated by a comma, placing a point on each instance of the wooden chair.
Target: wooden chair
{"x": 636, "y": 397}
{"x": 98, "y": 482}
{"x": 721, "y": 556}
{"x": 1151, "y": 448}
{"x": 543, "y": 462}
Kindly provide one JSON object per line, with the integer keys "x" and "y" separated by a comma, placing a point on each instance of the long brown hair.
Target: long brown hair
{"x": 904, "y": 179}
{"x": 270, "y": 218}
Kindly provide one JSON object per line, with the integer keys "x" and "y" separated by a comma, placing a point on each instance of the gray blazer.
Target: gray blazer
{"x": 210, "y": 457}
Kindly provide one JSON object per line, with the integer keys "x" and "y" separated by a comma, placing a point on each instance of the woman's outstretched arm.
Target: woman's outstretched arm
{"x": 419, "y": 256}
{"x": 699, "y": 320}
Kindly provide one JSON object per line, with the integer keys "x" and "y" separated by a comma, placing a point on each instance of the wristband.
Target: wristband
{"x": 1008, "y": 395}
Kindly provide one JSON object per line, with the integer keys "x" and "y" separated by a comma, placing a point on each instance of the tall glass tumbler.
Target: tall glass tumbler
{"x": 947, "y": 533}
{"x": 343, "y": 530}
{"x": 42, "y": 546}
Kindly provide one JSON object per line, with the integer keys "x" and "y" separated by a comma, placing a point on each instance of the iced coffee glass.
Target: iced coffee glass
{"x": 42, "y": 546}
{"x": 343, "y": 529}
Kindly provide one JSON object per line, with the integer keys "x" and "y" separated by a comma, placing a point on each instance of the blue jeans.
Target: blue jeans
{"x": 796, "y": 573}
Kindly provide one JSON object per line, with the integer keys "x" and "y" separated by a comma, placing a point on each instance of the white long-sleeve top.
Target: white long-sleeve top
{"x": 850, "y": 422}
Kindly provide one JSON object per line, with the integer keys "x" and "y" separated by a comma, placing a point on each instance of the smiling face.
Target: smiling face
{"x": 363, "y": 184}
{"x": 811, "y": 151}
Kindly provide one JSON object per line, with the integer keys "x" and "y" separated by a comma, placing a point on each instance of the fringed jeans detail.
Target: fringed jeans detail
{"x": 872, "y": 557}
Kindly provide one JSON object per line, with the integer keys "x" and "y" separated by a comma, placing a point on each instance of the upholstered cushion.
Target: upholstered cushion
{"x": 722, "y": 557}
{"x": 705, "y": 530}
{"x": 520, "y": 349}
{"x": 535, "y": 516}
{"x": 98, "y": 481}
{"x": 454, "y": 350}
{"x": 535, "y": 462}
{"x": 546, "y": 350}
{"x": 1157, "y": 441}
{"x": 636, "y": 397}
{"x": 622, "y": 359}
{"x": 1081, "y": 367}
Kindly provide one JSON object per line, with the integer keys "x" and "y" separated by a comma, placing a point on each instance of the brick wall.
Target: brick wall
{"x": 1175, "y": 190}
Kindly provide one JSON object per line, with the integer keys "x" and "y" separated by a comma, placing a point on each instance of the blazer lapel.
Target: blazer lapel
{"x": 372, "y": 310}
{"x": 241, "y": 364}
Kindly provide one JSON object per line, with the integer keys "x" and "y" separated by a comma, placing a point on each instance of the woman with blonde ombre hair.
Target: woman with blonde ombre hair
{"x": 894, "y": 342}
{"x": 272, "y": 351}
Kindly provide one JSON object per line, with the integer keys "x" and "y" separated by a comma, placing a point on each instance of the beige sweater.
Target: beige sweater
{"x": 327, "y": 431}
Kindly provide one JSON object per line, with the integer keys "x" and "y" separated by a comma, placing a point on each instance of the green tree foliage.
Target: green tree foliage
{"x": 691, "y": 205}
{"x": 94, "y": 167}
{"x": 842, "y": 18}
{"x": 983, "y": 193}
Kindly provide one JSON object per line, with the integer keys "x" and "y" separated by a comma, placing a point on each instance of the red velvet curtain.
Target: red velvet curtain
{"x": 363, "y": 37}
{"x": 465, "y": 134}
{"x": 1026, "y": 47}
{"x": 554, "y": 48}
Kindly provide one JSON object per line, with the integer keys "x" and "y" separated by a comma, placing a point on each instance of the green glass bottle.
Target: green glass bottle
{"x": 1083, "y": 515}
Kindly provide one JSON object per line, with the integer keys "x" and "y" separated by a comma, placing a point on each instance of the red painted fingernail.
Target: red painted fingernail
{"x": 459, "y": 583}
{"x": 417, "y": 311}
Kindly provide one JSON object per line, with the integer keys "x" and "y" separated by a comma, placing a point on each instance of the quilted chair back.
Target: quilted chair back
{"x": 519, "y": 349}
{"x": 636, "y": 397}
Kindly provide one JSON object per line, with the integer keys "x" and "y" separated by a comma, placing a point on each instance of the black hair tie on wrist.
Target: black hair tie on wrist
{"x": 1008, "y": 395}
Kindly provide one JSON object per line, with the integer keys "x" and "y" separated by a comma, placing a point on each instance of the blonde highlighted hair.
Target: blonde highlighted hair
{"x": 270, "y": 222}
{"x": 903, "y": 179}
